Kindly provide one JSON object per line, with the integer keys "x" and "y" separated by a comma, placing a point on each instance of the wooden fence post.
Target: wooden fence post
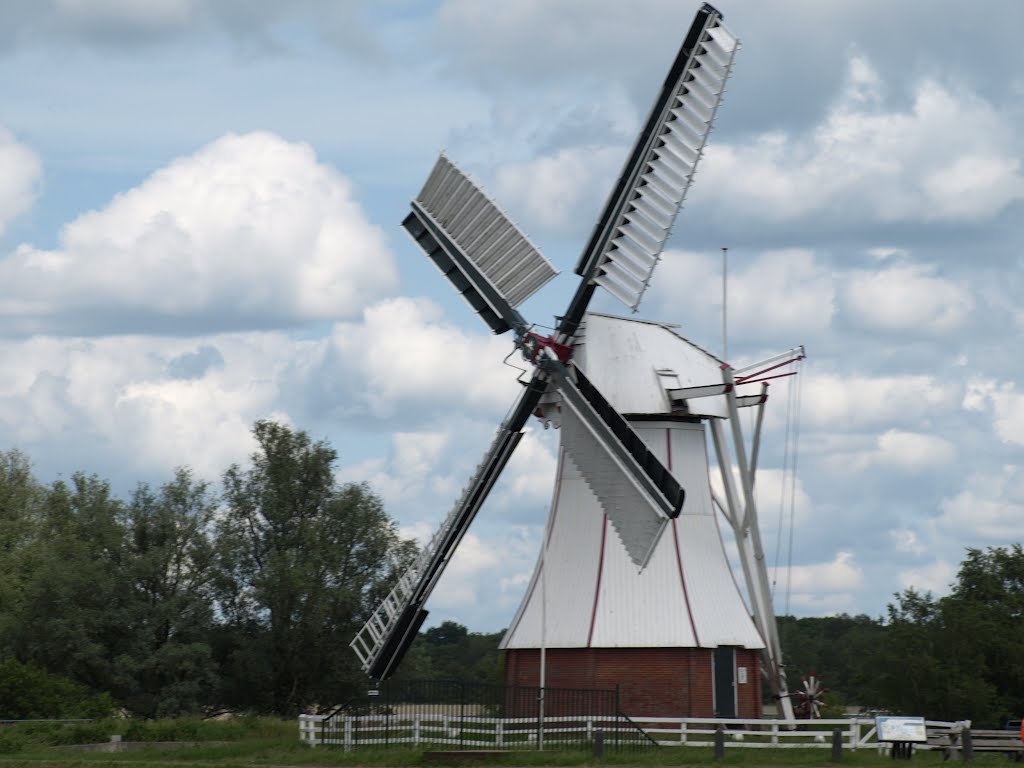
{"x": 599, "y": 743}
{"x": 967, "y": 745}
{"x": 837, "y": 745}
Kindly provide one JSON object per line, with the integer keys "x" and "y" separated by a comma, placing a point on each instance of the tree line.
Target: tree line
{"x": 956, "y": 657}
{"x": 182, "y": 598}
{"x": 185, "y": 598}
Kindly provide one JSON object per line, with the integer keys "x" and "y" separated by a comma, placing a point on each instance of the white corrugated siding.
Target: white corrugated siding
{"x": 636, "y": 610}
{"x": 621, "y": 357}
{"x": 687, "y": 596}
{"x": 573, "y": 563}
{"x": 719, "y": 613}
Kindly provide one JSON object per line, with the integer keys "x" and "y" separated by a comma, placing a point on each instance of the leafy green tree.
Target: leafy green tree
{"x": 168, "y": 667}
{"x": 960, "y": 656}
{"x": 984, "y": 614}
{"x": 20, "y": 509}
{"x": 910, "y": 673}
{"x": 72, "y": 618}
{"x": 451, "y": 652}
{"x": 839, "y": 650}
{"x": 303, "y": 561}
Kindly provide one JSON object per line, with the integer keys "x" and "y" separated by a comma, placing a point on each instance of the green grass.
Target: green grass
{"x": 251, "y": 742}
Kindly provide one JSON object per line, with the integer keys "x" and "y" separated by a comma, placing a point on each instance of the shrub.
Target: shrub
{"x": 27, "y": 692}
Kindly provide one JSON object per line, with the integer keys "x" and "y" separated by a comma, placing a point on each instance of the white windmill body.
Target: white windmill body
{"x": 675, "y": 637}
{"x": 640, "y": 563}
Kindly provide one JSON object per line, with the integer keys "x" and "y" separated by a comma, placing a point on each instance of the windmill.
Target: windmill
{"x": 495, "y": 268}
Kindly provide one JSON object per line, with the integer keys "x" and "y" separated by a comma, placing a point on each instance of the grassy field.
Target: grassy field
{"x": 262, "y": 742}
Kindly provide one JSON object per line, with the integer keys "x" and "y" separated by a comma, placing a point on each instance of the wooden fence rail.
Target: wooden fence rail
{"x": 417, "y": 729}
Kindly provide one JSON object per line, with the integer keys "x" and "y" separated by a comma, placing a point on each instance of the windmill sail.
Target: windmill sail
{"x": 636, "y": 491}
{"x": 484, "y": 255}
{"x": 386, "y": 636}
{"x": 626, "y": 243}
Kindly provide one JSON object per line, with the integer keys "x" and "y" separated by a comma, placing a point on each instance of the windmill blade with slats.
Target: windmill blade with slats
{"x": 629, "y": 236}
{"x": 384, "y": 638}
{"x": 481, "y": 252}
{"x": 638, "y": 494}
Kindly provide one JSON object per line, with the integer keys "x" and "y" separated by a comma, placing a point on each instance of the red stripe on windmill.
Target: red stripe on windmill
{"x": 653, "y": 608}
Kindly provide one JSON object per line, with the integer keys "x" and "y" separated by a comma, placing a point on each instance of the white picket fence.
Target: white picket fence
{"x": 496, "y": 733}
{"x": 434, "y": 729}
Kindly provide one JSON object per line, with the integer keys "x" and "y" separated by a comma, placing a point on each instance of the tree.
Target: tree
{"x": 72, "y": 619}
{"x": 169, "y": 567}
{"x": 983, "y": 617}
{"x": 20, "y": 509}
{"x": 303, "y": 561}
{"x": 449, "y": 651}
{"x": 27, "y": 692}
{"x": 838, "y": 649}
{"x": 959, "y": 657}
{"x": 910, "y": 674}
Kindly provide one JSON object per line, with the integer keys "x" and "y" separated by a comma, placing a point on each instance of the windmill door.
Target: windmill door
{"x": 724, "y": 662}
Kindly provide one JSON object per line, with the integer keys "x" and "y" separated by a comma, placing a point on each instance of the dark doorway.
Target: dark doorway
{"x": 725, "y": 681}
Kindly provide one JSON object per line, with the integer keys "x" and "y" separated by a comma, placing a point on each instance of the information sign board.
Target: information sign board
{"x": 909, "y": 729}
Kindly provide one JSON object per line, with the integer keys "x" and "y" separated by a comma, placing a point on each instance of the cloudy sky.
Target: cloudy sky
{"x": 199, "y": 213}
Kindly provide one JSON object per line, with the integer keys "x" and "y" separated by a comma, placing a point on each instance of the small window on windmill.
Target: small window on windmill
{"x": 741, "y": 675}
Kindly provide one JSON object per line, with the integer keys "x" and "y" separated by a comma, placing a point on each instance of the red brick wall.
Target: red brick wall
{"x": 652, "y": 682}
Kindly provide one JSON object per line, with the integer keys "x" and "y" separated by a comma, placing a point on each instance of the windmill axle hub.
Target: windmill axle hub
{"x": 533, "y": 344}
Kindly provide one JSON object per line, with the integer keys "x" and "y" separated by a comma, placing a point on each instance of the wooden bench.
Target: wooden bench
{"x": 981, "y": 740}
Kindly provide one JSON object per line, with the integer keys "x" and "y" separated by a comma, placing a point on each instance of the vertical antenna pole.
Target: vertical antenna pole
{"x": 544, "y": 621}
{"x": 725, "y": 332}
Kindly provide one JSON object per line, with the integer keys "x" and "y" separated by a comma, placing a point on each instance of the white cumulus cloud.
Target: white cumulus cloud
{"x": 411, "y": 469}
{"x": 861, "y": 401}
{"x": 934, "y": 577}
{"x": 988, "y": 511}
{"x": 913, "y": 451}
{"x": 908, "y": 298}
{"x": 406, "y": 352}
{"x": 824, "y": 587}
{"x": 251, "y": 231}
{"x": 951, "y": 155}
{"x": 784, "y": 297}
{"x": 122, "y": 401}
{"x": 22, "y": 170}
{"x": 1003, "y": 401}
{"x": 552, "y": 190}
{"x": 906, "y": 540}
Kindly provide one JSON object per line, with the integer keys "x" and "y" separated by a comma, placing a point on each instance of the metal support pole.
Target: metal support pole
{"x": 760, "y": 597}
{"x": 544, "y": 616}
{"x": 725, "y": 304}
{"x": 755, "y": 447}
